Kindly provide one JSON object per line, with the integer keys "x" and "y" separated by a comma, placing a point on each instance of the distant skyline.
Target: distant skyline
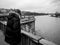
{"x": 45, "y": 6}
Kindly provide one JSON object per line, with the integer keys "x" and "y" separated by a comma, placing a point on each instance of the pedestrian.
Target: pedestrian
{"x": 13, "y": 30}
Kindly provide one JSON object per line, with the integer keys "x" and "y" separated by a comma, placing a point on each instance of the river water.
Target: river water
{"x": 48, "y": 27}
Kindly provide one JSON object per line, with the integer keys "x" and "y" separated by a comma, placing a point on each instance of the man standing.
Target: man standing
{"x": 13, "y": 30}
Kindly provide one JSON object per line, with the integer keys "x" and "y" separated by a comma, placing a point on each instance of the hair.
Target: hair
{"x": 13, "y": 14}
{"x": 18, "y": 11}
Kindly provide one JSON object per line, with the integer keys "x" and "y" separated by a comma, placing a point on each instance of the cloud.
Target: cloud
{"x": 39, "y": 6}
{"x": 55, "y": 1}
{"x": 57, "y": 5}
{"x": 32, "y": 5}
{"x": 7, "y": 4}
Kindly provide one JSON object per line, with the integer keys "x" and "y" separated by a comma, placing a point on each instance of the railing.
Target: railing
{"x": 29, "y": 39}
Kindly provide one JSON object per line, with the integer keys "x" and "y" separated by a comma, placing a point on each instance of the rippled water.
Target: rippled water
{"x": 48, "y": 27}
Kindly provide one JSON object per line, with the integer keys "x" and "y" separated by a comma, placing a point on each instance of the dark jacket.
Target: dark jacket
{"x": 13, "y": 30}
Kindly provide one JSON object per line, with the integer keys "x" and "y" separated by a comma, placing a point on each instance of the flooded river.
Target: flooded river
{"x": 48, "y": 27}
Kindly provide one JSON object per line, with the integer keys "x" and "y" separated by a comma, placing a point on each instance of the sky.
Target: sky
{"x": 32, "y": 5}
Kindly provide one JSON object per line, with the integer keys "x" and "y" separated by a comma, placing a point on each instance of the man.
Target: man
{"x": 13, "y": 30}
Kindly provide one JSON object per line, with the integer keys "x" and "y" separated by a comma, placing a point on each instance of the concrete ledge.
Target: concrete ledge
{"x": 46, "y": 42}
{"x": 38, "y": 38}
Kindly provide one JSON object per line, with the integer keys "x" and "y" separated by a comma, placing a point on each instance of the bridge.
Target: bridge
{"x": 28, "y": 37}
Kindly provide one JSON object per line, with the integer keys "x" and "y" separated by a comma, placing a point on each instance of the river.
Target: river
{"x": 48, "y": 27}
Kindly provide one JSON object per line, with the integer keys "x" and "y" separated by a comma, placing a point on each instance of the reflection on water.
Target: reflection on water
{"x": 48, "y": 27}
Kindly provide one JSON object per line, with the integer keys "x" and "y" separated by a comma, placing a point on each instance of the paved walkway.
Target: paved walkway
{"x": 2, "y": 42}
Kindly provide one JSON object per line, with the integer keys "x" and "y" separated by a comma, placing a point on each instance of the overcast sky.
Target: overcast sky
{"x": 32, "y": 5}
